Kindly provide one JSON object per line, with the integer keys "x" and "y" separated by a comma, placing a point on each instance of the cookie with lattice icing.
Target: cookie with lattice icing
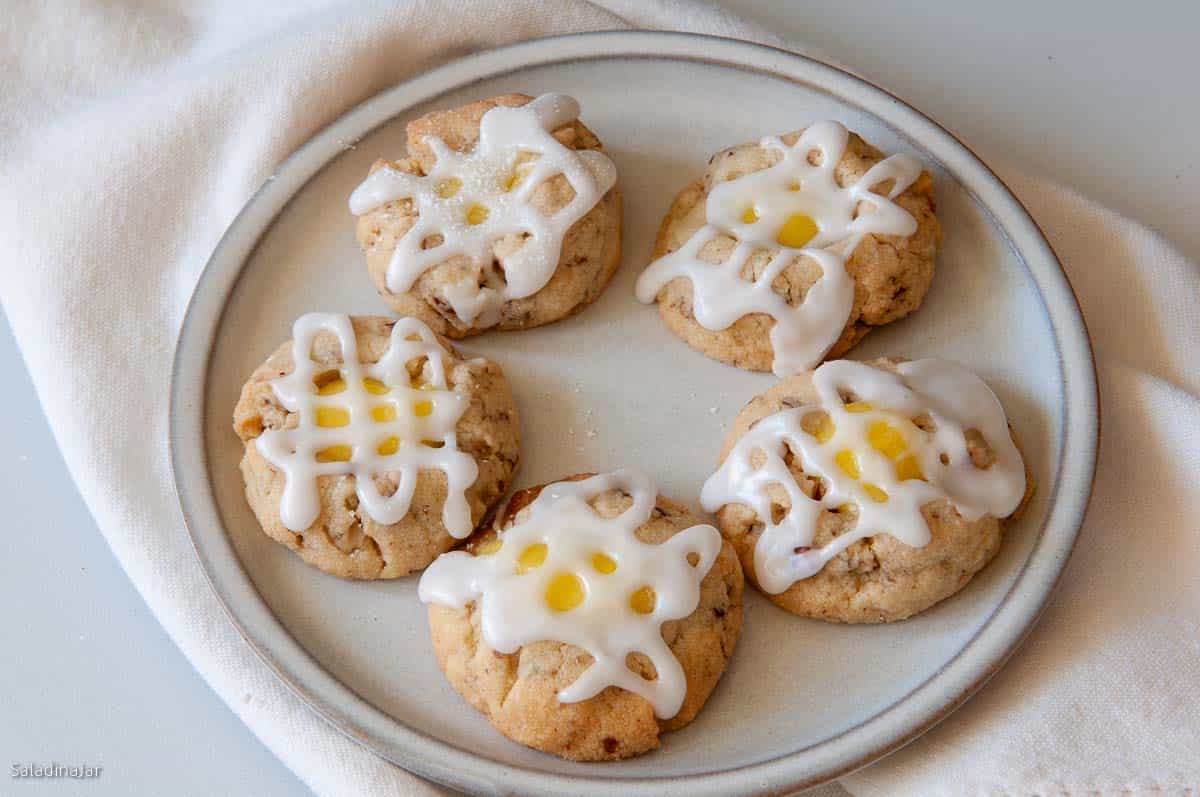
{"x": 504, "y": 215}
{"x": 792, "y": 249}
{"x": 372, "y": 446}
{"x": 593, "y": 617}
{"x": 868, "y": 492}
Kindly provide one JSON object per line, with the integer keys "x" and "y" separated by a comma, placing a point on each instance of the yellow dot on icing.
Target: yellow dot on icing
{"x": 846, "y": 460}
{"x": 334, "y": 454}
{"x": 382, "y": 413}
{"x": 858, "y": 406}
{"x": 332, "y": 417}
{"x": 388, "y": 447}
{"x": 796, "y": 231}
{"x": 488, "y": 548}
{"x": 603, "y": 563}
{"x": 886, "y": 439}
{"x": 374, "y": 386}
{"x": 476, "y": 214}
{"x": 564, "y": 592}
{"x": 329, "y": 382}
{"x": 794, "y": 187}
{"x": 643, "y": 600}
{"x": 515, "y": 177}
{"x": 825, "y": 429}
{"x": 908, "y": 468}
{"x": 422, "y": 408}
{"x": 749, "y": 216}
{"x": 448, "y": 188}
{"x": 876, "y": 493}
{"x": 531, "y": 558}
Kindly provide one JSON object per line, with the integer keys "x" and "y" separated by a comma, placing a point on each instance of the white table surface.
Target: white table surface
{"x": 1096, "y": 94}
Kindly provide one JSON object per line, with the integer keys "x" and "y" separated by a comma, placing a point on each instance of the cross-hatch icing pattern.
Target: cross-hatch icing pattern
{"x": 367, "y": 420}
{"x": 869, "y": 453}
{"x": 793, "y": 208}
{"x": 471, "y": 201}
{"x": 565, "y": 573}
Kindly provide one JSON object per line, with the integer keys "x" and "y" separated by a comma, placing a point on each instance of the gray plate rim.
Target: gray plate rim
{"x": 885, "y": 732}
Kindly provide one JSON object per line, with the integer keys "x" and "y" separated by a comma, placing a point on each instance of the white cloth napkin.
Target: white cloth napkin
{"x": 133, "y": 133}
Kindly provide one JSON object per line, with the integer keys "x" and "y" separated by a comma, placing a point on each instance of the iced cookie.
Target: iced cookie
{"x": 371, "y": 446}
{"x": 593, "y": 617}
{"x": 867, "y": 492}
{"x": 505, "y": 215}
{"x": 792, "y": 249}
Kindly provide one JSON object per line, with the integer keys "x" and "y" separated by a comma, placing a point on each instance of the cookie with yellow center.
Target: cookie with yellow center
{"x": 890, "y": 273}
{"x": 675, "y": 604}
{"x": 921, "y": 547}
{"x": 371, "y": 465}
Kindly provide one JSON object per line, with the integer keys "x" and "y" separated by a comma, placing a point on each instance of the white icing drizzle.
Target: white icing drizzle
{"x": 802, "y": 334}
{"x": 956, "y": 400}
{"x": 488, "y": 177}
{"x": 513, "y": 606}
{"x": 294, "y": 451}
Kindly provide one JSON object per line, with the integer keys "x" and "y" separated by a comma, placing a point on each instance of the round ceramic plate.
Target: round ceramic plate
{"x": 802, "y": 701}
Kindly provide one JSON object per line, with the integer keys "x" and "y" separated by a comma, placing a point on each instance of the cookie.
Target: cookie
{"x": 504, "y": 215}
{"x": 868, "y": 492}
{"x": 371, "y": 446}
{"x": 599, "y": 616}
{"x": 792, "y": 249}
